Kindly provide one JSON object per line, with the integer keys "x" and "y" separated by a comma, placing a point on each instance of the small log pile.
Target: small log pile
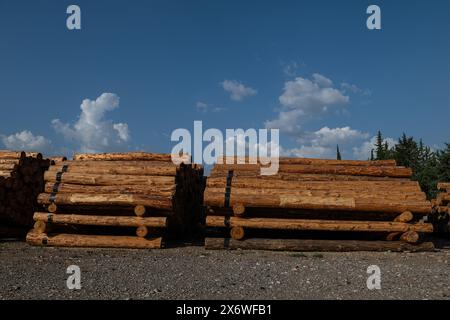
{"x": 21, "y": 180}
{"x": 441, "y": 207}
{"x": 332, "y": 201}
{"x": 120, "y": 200}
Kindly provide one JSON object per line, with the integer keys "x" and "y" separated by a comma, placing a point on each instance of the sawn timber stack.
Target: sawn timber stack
{"x": 330, "y": 201}
{"x": 21, "y": 180}
{"x": 122, "y": 200}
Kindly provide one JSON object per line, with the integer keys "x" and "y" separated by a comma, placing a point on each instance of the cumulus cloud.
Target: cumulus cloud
{"x": 322, "y": 143}
{"x": 26, "y": 141}
{"x": 363, "y": 151}
{"x": 92, "y": 132}
{"x": 237, "y": 90}
{"x": 303, "y": 98}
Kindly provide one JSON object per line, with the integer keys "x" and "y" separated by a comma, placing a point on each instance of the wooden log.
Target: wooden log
{"x": 163, "y": 191}
{"x": 305, "y": 161}
{"x": 326, "y": 225}
{"x": 7, "y": 166}
{"x": 118, "y": 170}
{"x": 444, "y": 186}
{"x": 237, "y": 233}
{"x": 443, "y": 198}
{"x": 238, "y": 210}
{"x": 142, "y": 231}
{"x": 369, "y": 194}
{"x": 9, "y": 161}
{"x": 40, "y": 226}
{"x": 130, "y": 156}
{"x": 96, "y": 220}
{"x": 139, "y": 210}
{"x": 272, "y": 183}
{"x": 112, "y": 164}
{"x": 305, "y": 177}
{"x": 443, "y": 209}
{"x": 127, "y": 200}
{"x": 377, "y": 171}
{"x": 52, "y": 207}
{"x": 405, "y": 217}
{"x": 74, "y": 240}
{"x": 410, "y": 237}
{"x": 110, "y": 180}
{"x": 5, "y": 154}
{"x": 315, "y": 245}
{"x": 320, "y": 203}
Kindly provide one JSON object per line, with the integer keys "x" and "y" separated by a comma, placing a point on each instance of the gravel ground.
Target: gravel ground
{"x": 193, "y": 273}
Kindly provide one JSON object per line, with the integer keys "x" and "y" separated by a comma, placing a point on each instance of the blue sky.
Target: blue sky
{"x": 311, "y": 68}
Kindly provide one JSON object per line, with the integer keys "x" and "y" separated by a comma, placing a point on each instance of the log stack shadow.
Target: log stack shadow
{"x": 119, "y": 200}
{"x": 316, "y": 205}
{"x": 21, "y": 180}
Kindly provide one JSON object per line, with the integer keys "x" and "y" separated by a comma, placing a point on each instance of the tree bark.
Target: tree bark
{"x": 326, "y": 225}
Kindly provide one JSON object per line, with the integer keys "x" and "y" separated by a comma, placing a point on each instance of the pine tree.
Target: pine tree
{"x": 444, "y": 164}
{"x": 379, "y": 146}
{"x": 371, "y": 155}
{"x": 338, "y": 153}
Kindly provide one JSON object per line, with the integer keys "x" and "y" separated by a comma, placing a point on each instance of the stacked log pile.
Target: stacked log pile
{"x": 21, "y": 180}
{"x": 97, "y": 200}
{"x": 441, "y": 207}
{"x": 330, "y": 200}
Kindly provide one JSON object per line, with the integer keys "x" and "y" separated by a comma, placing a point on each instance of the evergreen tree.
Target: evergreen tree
{"x": 338, "y": 153}
{"x": 371, "y": 155}
{"x": 379, "y": 146}
{"x": 444, "y": 164}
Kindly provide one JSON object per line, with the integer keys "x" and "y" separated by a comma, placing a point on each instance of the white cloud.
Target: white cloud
{"x": 303, "y": 98}
{"x": 237, "y": 90}
{"x": 322, "y": 143}
{"x": 26, "y": 141}
{"x": 92, "y": 132}
{"x": 322, "y": 80}
{"x": 363, "y": 151}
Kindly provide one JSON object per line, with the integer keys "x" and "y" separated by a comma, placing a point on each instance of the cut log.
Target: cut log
{"x": 237, "y": 233}
{"x": 377, "y": 171}
{"x": 444, "y": 186}
{"x": 410, "y": 237}
{"x": 142, "y": 231}
{"x": 309, "y": 224}
{"x": 117, "y": 170}
{"x": 278, "y": 183}
{"x": 81, "y": 199}
{"x": 319, "y": 203}
{"x": 315, "y": 245}
{"x": 96, "y": 220}
{"x": 73, "y": 240}
{"x": 110, "y": 180}
{"x": 131, "y": 156}
{"x": 165, "y": 190}
{"x": 373, "y": 194}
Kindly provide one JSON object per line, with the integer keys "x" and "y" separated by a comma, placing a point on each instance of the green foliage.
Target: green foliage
{"x": 429, "y": 167}
{"x": 338, "y": 153}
